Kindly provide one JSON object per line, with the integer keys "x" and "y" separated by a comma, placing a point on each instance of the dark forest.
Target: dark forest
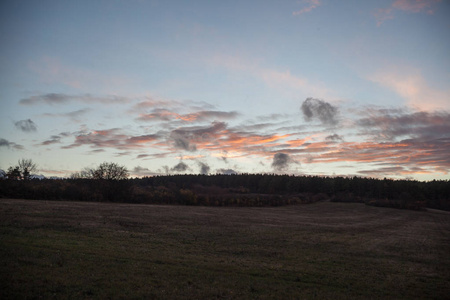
{"x": 237, "y": 190}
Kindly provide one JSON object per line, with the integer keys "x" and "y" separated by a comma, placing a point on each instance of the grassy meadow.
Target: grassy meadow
{"x": 324, "y": 250}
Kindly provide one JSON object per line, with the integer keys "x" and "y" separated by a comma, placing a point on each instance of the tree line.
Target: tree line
{"x": 22, "y": 170}
{"x": 110, "y": 182}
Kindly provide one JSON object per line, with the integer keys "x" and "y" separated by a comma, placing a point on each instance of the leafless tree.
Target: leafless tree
{"x": 26, "y": 167}
{"x": 108, "y": 171}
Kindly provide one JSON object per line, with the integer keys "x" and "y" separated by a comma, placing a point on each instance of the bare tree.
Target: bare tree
{"x": 109, "y": 171}
{"x": 26, "y": 167}
{"x": 86, "y": 173}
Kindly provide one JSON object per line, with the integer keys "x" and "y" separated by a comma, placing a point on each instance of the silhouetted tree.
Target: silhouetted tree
{"x": 26, "y": 167}
{"x": 106, "y": 170}
{"x": 13, "y": 173}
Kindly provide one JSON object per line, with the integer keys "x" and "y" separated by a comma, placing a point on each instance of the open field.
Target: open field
{"x": 322, "y": 250}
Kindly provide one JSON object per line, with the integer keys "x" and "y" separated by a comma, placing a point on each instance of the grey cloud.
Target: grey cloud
{"x": 281, "y": 161}
{"x": 213, "y": 115}
{"x": 73, "y": 114}
{"x": 180, "y": 167}
{"x": 111, "y": 138}
{"x": 141, "y": 171}
{"x": 58, "y": 98}
{"x": 26, "y": 125}
{"x": 273, "y": 117}
{"x": 163, "y": 114}
{"x": 185, "y": 138}
{"x": 226, "y": 171}
{"x": 103, "y": 150}
{"x": 334, "y": 138}
{"x": 166, "y": 169}
{"x": 51, "y": 98}
{"x": 392, "y": 124}
{"x": 318, "y": 109}
{"x": 390, "y": 171}
{"x": 182, "y": 142}
{"x": 204, "y": 168}
{"x": 158, "y": 155}
{"x": 8, "y": 144}
{"x": 157, "y": 114}
{"x": 54, "y": 139}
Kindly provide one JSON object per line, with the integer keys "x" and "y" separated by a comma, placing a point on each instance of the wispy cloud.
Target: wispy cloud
{"x": 112, "y": 138}
{"x": 58, "y": 98}
{"x": 74, "y": 115}
{"x": 54, "y": 139}
{"x": 392, "y": 171}
{"x": 52, "y": 70}
{"x": 415, "y": 6}
{"x": 8, "y": 144}
{"x": 398, "y": 124}
{"x": 166, "y": 115}
{"x": 310, "y": 5}
{"x": 409, "y": 6}
{"x": 282, "y": 80}
{"x": 410, "y": 84}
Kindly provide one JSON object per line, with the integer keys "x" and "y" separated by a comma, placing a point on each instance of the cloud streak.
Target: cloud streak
{"x": 408, "y": 6}
{"x": 59, "y": 98}
{"x": 410, "y": 85}
{"x": 389, "y": 125}
{"x": 311, "y": 4}
{"x": 9, "y": 145}
{"x": 281, "y": 80}
{"x": 112, "y": 138}
{"x": 201, "y": 116}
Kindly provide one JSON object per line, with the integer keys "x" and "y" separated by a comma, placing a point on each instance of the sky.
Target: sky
{"x": 309, "y": 87}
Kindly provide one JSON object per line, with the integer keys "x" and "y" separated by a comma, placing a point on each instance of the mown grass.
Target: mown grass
{"x": 64, "y": 250}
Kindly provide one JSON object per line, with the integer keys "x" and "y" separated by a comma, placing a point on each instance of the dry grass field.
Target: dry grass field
{"x": 77, "y": 250}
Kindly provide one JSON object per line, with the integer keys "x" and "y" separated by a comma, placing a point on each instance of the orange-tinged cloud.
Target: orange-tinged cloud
{"x": 410, "y": 85}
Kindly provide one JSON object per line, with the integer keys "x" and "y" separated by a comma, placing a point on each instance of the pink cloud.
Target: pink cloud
{"x": 410, "y": 85}
{"x": 312, "y": 4}
{"x": 415, "y": 6}
{"x": 283, "y": 80}
{"x": 408, "y": 6}
{"x": 52, "y": 70}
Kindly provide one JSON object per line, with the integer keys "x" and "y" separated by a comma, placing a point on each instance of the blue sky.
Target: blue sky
{"x": 309, "y": 87}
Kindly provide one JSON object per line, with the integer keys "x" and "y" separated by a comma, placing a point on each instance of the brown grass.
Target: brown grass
{"x": 321, "y": 250}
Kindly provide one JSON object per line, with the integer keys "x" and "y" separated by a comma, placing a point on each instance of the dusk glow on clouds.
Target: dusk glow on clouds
{"x": 312, "y": 87}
